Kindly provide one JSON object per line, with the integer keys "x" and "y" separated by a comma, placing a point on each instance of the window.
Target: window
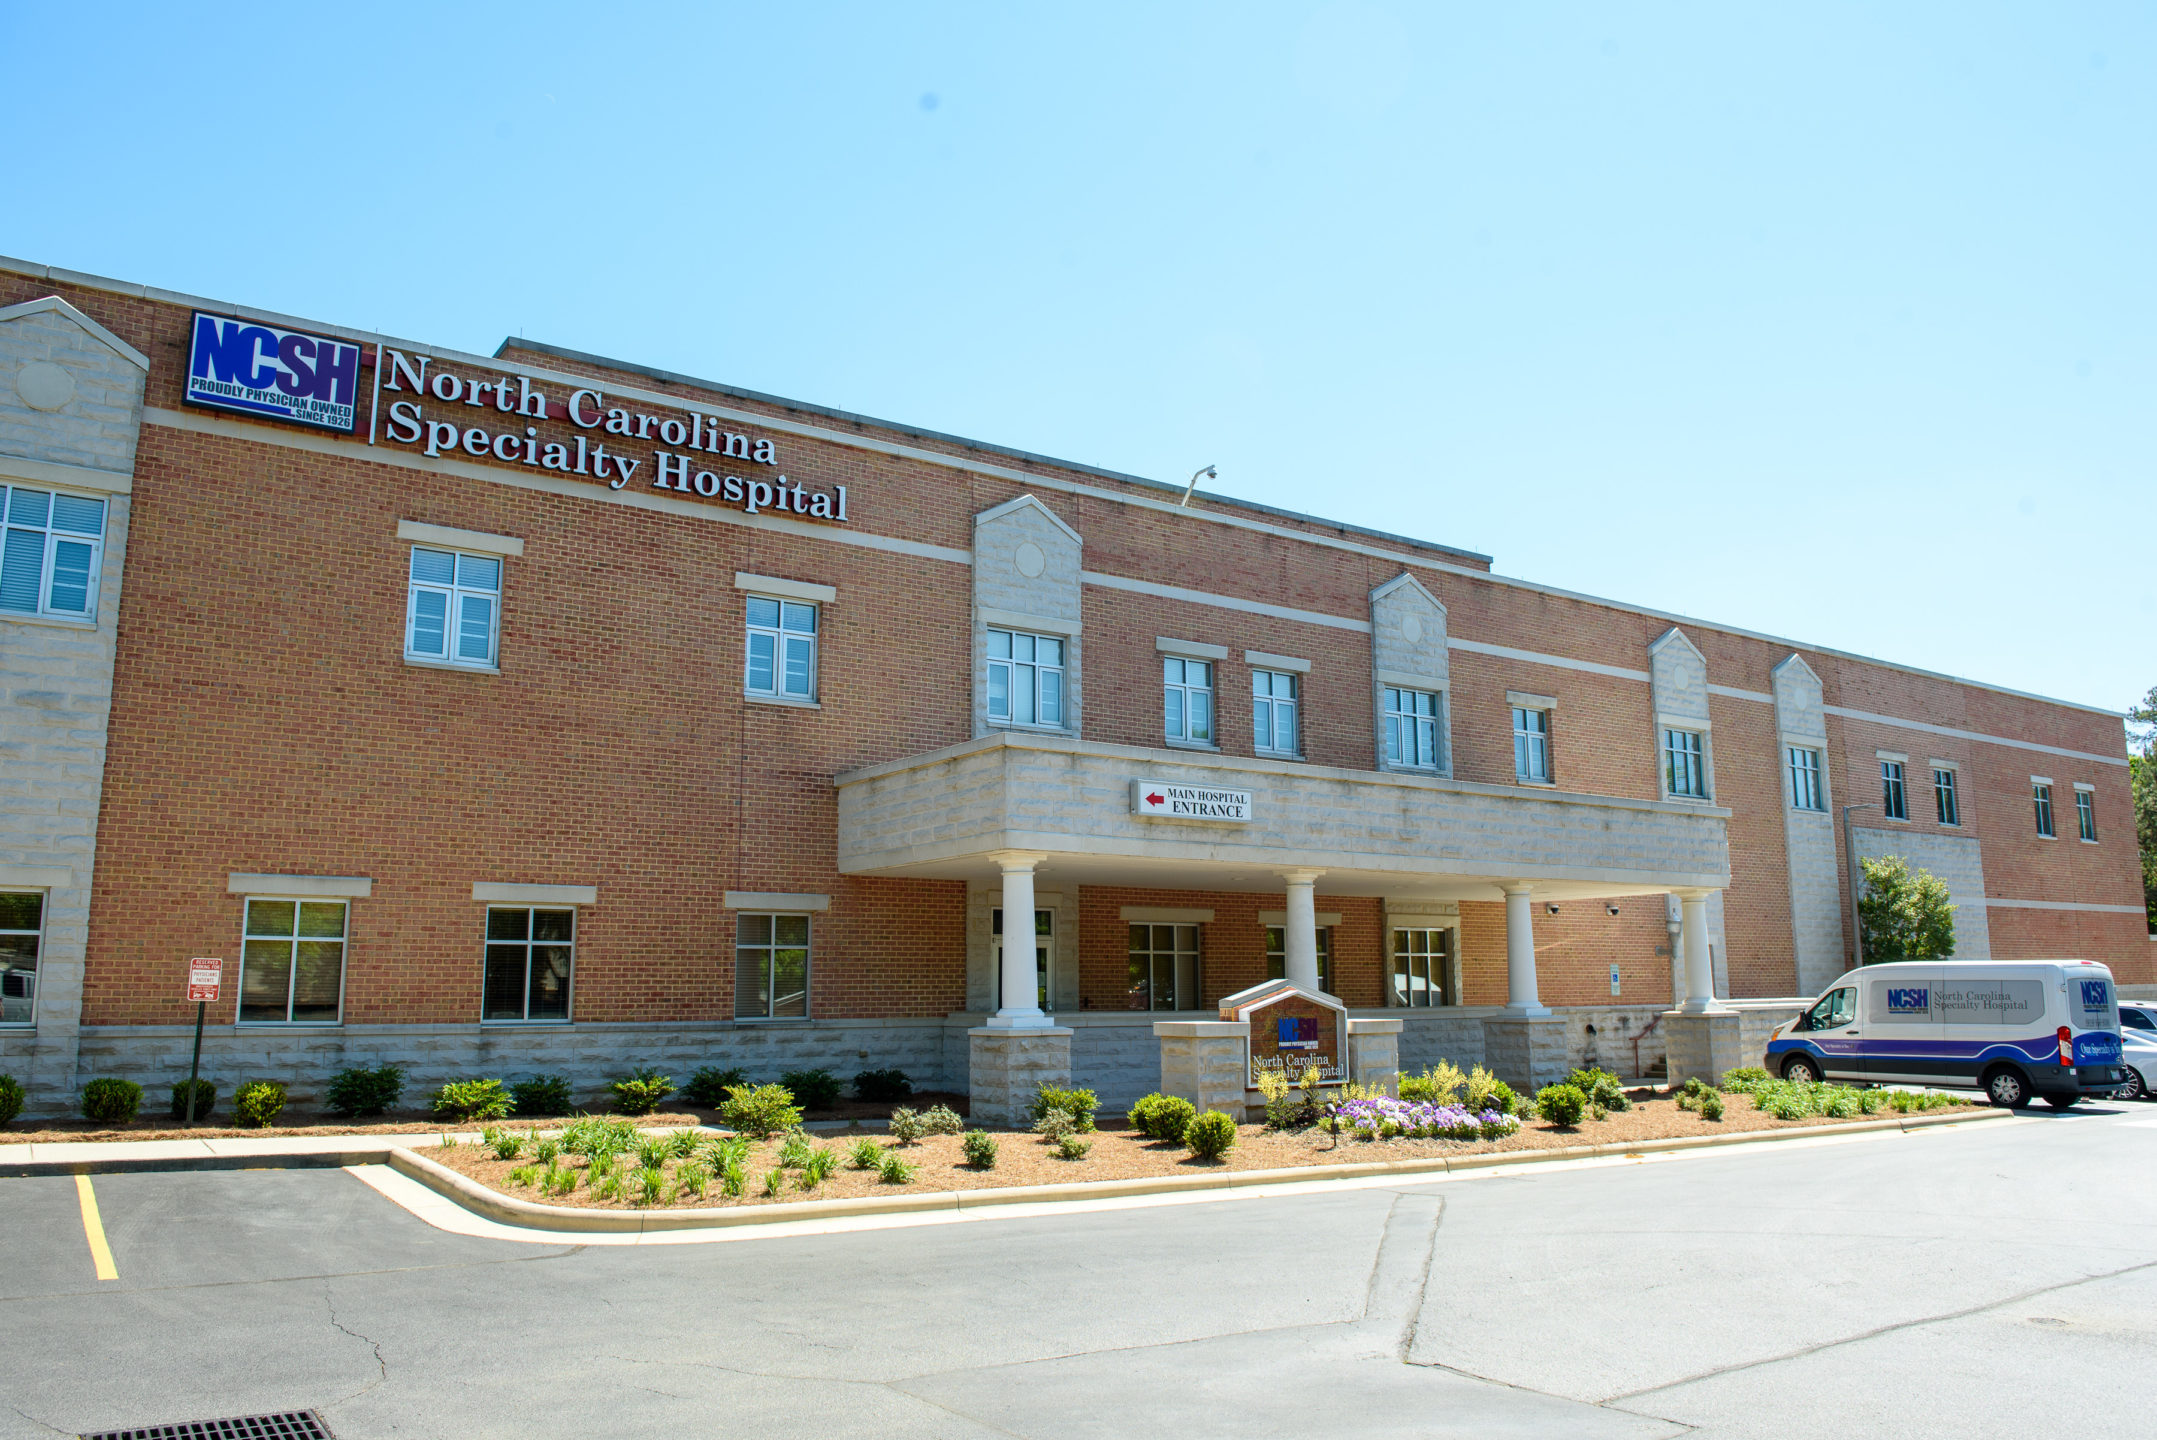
{"x": 1187, "y": 699}
{"x": 2041, "y": 798}
{"x": 1836, "y": 1009}
{"x": 292, "y": 962}
{"x": 1684, "y": 773}
{"x": 781, "y": 650}
{"x": 1026, "y": 678}
{"x": 1805, "y": 791}
{"x": 1423, "y": 968}
{"x": 1277, "y": 955}
{"x": 1413, "y": 729}
{"x": 2134, "y": 1019}
{"x": 531, "y": 956}
{"x": 1273, "y": 712}
{"x": 771, "y": 967}
{"x": 2086, "y": 815}
{"x": 1944, "y": 797}
{"x": 1044, "y": 943}
{"x": 1894, "y": 798}
{"x": 1531, "y": 745}
{"x": 454, "y": 613}
{"x": 1163, "y": 968}
{"x": 22, "y": 930}
{"x": 49, "y": 560}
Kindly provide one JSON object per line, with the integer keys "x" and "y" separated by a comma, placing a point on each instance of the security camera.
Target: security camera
{"x": 1611, "y": 908}
{"x": 1550, "y": 909}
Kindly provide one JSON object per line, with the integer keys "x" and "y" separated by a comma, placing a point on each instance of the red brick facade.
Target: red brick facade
{"x": 264, "y": 718}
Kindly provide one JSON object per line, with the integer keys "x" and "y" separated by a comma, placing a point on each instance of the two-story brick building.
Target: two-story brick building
{"x": 535, "y": 712}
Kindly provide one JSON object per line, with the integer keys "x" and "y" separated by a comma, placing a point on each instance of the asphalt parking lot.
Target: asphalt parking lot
{"x": 1995, "y": 1279}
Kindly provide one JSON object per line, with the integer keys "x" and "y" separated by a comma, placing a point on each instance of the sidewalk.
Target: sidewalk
{"x": 285, "y": 1152}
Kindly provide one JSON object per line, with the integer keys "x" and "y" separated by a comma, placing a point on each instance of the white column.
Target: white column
{"x": 1520, "y": 997}
{"x": 1699, "y": 970}
{"x": 1021, "y": 1009}
{"x": 1300, "y": 928}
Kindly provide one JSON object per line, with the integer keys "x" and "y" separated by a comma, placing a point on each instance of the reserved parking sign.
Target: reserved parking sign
{"x": 204, "y": 979}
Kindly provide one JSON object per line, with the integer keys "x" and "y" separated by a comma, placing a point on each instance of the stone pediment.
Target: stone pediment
{"x": 1256, "y": 997}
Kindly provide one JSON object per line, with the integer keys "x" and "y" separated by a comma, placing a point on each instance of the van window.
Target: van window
{"x": 2095, "y": 1003}
{"x": 1836, "y": 1009}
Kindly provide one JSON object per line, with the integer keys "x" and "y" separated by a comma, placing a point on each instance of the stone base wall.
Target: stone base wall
{"x": 1008, "y": 1066}
{"x": 1526, "y": 1052}
{"x": 1702, "y": 1046}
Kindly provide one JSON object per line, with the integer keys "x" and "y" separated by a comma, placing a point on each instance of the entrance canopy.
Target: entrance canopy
{"x": 1129, "y": 816}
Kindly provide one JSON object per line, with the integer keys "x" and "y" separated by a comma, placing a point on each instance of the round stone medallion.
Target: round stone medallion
{"x": 44, "y": 385}
{"x": 1412, "y": 629}
{"x": 1029, "y": 559}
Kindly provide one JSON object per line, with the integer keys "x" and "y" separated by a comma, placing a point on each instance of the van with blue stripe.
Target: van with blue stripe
{"x": 2014, "y": 1029}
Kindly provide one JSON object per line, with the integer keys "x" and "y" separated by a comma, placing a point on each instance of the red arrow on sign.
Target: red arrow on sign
{"x": 1156, "y": 799}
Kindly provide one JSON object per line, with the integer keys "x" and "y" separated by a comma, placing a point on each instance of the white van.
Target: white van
{"x": 2011, "y": 1028}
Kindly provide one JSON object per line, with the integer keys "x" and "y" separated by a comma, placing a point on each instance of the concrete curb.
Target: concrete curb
{"x": 509, "y": 1210}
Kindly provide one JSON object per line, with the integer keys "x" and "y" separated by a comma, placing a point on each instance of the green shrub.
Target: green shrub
{"x": 546, "y": 1152}
{"x": 361, "y": 1091}
{"x": 1074, "y": 1147}
{"x": 652, "y": 1153}
{"x": 640, "y": 1091}
{"x": 774, "y": 1181}
{"x": 1441, "y": 1084}
{"x": 691, "y": 1178}
{"x": 1210, "y": 1136}
{"x": 906, "y": 1126}
{"x": 560, "y": 1180}
{"x": 1602, "y": 1089}
{"x": 1500, "y": 1097}
{"x": 878, "y": 1086}
{"x": 1744, "y": 1077}
{"x": 1711, "y": 1105}
{"x": 817, "y": 1167}
{"x": 865, "y": 1154}
{"x": 761, "y": 1112}
{"x": 707, "y": 1088}
{"x": 794, "y": 1150}
{"x": 542, "y": 1095}
{"x": 1689, "y": 1097}
{"x": 653, "y": 1187}
{"x": 1162, "y": 1117}
{"x": 941, "y": 1120}
{"x": 1078, "y": 1104}
{"x": 813, "y": 1089}
{"x": 1561, "y": 1104}
{"x": 1485, "y": 1091}
{"x": 111, "y": 1102}
{"x": 11, "y": 1098}
{"x": 1054, "y": 1126}
{"x": 508, "y": 1145}
{"x": 468, "y": 1100}
{"x": 524, "y": 1175}
{"x": 205, "y": 1098}
{"x": 598, "y": 1137}
{"x": 894, "y": 1170}
{"x": 980, "y": 1148}
{"x": 724, "y": 1151}
{"x": 258, "y": 1102}
{"x": 732, "y": 1181}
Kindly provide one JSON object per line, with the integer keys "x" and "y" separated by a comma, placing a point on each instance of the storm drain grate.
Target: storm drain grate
{"x": 286, "y": 1425}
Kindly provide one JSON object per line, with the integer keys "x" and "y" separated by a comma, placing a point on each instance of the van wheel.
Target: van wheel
{"x": 2007, "y": 1089}
{"x": 1801, "y": 1069}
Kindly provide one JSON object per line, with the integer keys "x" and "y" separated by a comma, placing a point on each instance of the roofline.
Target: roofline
{"x": 139, "y": 290}
{"x": 804, "y": 407}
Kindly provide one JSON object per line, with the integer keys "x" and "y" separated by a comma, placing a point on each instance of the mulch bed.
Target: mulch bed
{"x": 1119, "y": 1154}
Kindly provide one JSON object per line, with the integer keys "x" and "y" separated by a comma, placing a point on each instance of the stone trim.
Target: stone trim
{"x": 1195, "y": 649}
{"x": 510, "y": 894}
{"x": 775, "y": 900}
{"x": 458, "y": 539}
{"x": 1165, "y": 915}
{"x": 786, "y": 589}
{"x": 349, "y": 887}
{"x": 1264, "y": 660}
{"x": 53, "y": 472}
{"x": 1019, "y": 620}
{"x": 55, "y": 305}
{"x": 36, "y": 877}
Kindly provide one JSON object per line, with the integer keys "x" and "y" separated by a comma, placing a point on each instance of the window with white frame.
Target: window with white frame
{"x": 771, "y": 967}
{"x": 1806, "y": 792}
{"x": 22, "y": 935}
{"x": 292, "y": 962}
{"x": 2041, "y": 800}
{"x": 1187, "y": 700}
{"x": 1275, "y": 728}
{"x": 1685, "y": 771}
{"x": 531, "y": 963}
{"x": 2085, "y": 814}
{"x": 1026, "y": 678}
{"x": 454, "y": 614}
{"x": 49, "y": 556}
{"x": 1531, "y": 744}
{"x": 1422, "y": 968}
{"x": 1945, "y": 800}
{"x": 1894, "y": 794}
{"x": 1163, "y": 968}
{"x": 1277, "y": 955}
{"x": 1415, "y": 728}
{"x": 780, "y": 654}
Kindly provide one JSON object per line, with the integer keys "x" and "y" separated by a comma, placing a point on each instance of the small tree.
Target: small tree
{"x": 1905, "y": 913}
{"x": 2142, "y": 723}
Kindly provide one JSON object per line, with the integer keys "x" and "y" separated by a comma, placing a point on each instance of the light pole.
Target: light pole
{"x": 1209, "y": 472}
{"x": 1849, "y": 849}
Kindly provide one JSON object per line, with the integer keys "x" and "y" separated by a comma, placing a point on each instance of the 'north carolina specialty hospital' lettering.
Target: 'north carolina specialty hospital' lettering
{"x": 701, "y": 440}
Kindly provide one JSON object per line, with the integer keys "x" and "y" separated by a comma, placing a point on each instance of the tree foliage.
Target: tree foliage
{"x": 1905, "y": 913}
{"x": 2143, "y": 717}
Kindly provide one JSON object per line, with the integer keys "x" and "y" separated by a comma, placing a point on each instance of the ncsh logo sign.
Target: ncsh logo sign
{"x": 253, "y": 369}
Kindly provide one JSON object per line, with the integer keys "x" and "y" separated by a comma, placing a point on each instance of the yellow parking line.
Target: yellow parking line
{"x": 93, "y": 1229}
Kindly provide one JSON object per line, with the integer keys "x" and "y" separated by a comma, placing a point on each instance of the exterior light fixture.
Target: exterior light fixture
{"x": 1208, "y": 472}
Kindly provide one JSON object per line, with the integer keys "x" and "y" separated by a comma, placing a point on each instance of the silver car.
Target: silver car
{"x": 2138, "y": 1048}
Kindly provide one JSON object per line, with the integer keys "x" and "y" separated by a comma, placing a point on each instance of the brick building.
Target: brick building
{"x": 544, "y": 713}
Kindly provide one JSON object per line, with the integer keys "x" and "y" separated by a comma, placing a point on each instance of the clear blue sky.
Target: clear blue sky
{"x": 1829, "y": 321}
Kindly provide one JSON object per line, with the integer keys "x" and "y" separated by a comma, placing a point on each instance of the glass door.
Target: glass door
{"x": 1044, "y": 945}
